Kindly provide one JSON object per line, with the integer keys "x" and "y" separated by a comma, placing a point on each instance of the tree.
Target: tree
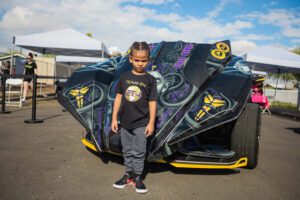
{"x": 89, "y": 34}
{"x": 285, "y": 76}
{"x": 297, "y": 51}
{"x": 9, "y": 52}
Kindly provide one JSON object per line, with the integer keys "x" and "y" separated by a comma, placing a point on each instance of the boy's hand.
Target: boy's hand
{"x": 114, "y": 126}
{"x": 149, "y": 130}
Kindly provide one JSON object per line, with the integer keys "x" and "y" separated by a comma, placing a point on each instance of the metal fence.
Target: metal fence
{"x": 287, "y": 96}
{"x": 34, "y": 78}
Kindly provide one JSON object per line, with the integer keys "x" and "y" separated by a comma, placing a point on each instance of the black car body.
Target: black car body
{"x": 204, "y": 117}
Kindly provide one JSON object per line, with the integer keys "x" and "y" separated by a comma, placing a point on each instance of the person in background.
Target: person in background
{"x": 6, "y": 69}
{"x": 29, "y": 69}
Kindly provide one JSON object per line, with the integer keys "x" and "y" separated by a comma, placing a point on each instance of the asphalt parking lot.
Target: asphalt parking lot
{"x": 48, "y": 161}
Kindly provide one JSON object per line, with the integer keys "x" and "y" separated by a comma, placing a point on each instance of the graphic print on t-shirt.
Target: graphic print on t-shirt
{"x": 133, "y": 93}
{"x": 28, "y": 66}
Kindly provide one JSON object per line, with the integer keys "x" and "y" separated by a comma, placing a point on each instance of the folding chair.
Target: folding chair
{"x": 258, "y": 95}
{"x": 14, "y": 92}
{"x": 263, "y": 101}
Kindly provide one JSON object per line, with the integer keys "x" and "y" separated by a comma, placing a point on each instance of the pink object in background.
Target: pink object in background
{"x": 262, "y": 100}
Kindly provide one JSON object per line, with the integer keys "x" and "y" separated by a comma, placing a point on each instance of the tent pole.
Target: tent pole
{"x": 102, "y": 47}
{"x": 278, "y": 72}
{"x": 54, "y": 70}
{"x": 298, "y": 99}
{"x": 69, "y": 69}
{"x": 43, "y": 66}
{"x": 12, "y": 55}
{"x": 44, "y": 63}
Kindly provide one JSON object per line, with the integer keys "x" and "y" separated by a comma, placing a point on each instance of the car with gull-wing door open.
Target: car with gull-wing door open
{"x": 204, "y": 116}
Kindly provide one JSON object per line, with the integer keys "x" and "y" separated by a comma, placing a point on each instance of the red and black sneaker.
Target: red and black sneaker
{"x": 125, "y": 180}
{"x": 139, "y": 185}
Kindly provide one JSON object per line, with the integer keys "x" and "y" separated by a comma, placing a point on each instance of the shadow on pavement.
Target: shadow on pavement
{"x": 50, "y": 117}
{"x": 107, "y": 157}
{"x": 160, "y": 167}
{"x": 295, "y": 130}
{"x": 20, "y": 109}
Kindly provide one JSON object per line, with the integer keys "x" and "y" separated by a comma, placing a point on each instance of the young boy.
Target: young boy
{"x": 136, "y": 100}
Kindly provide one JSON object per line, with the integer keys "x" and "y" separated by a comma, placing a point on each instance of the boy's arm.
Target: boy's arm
{"x": 117, "y": 103}
{"x": 152, "y": 111}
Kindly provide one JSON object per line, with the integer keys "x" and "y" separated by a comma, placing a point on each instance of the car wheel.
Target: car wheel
{"x": 245, "y": 134}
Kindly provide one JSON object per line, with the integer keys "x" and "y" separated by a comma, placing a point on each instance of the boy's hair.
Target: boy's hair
{"x": 139, "y": 46}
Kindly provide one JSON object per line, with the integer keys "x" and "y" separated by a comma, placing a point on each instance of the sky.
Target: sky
{"x": 248, "y": 24}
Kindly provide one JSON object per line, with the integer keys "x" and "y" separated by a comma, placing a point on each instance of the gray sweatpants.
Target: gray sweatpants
{"x": 134, "y": 149}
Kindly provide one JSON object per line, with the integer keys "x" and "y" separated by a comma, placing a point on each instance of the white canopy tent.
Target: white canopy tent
{"x": 68, "y": 61}
{"x": 274, "y": 60}
{"x": 79, "y": 59}
{"x": 68, "y": 42}
{"x": 259, "y": 72}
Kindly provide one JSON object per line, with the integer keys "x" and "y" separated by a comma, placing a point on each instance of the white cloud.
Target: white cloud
{"x": 3, "y": 50}
{"x": 201, "y": 29}
{"x": 296, "y": 41}
{"x": 220, "y": 7}
{"x": 271, "y": 4}
{"x": 24, "y": 20}
{"x": 148, "y": 2}
{"x": 155, "y": 2}
{"x": 114, "y": 23}
{"x": 242, "y": 46}
{"x": 287, "y": 20}
{"x": 255, "y": 37}
{"x": 291, "y": 32}
{"x": 120, "y": 24}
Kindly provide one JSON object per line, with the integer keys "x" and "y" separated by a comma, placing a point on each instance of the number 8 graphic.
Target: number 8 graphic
{"x": 220, "y": 52}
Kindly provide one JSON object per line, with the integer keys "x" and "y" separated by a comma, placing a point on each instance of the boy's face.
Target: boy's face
{"x": 139, "y": 60}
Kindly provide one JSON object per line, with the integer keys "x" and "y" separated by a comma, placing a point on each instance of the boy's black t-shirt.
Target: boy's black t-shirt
{"x": 137, "y": 91}
{"x": 29, "y": 68}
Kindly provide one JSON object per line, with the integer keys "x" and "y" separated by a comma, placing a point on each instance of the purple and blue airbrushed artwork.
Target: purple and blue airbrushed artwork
{"x": 200, "y": 87}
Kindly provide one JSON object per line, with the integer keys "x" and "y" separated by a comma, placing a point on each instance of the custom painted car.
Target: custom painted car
{"x": 204, "y": 116}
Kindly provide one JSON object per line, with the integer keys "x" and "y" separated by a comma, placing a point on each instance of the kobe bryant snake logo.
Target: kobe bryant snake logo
{"x": 133, "y": 93}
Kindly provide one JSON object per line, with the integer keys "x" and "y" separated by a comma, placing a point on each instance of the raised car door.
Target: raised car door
{"x": 183, "y": 71}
